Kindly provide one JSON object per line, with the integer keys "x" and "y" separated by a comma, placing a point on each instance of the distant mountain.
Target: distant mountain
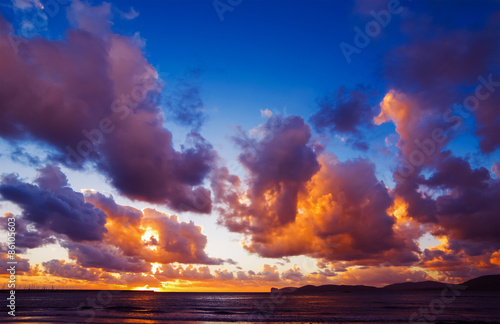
{"x": 484, "y": 283}
{"x": 422, "y": 285}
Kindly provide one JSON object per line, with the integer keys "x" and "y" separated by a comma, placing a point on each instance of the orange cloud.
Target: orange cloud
{"x": 343, "y": 213}
{"x": 396, "y": 107}
{"x": 150, "y": 235}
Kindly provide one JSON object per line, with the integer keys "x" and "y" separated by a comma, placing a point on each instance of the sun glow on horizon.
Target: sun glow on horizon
{"x": 147, "y": 288}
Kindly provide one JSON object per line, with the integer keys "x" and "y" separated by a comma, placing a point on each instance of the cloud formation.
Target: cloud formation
{"x": 336, "y": 211}
{"x": 96, "y": 231}
{"x": 468, "y": 211}
{"x": 294, "y": 199}
{"x": 345, "y": 112}
{"x": 151, "y": 235}
{"x": 54, "y": 207}
{"x": 279, "y": 161}
{"x": 429, "y": 99}
{"x": 102, "y": 95}
{"x": 184, "y": 104}
{"x": 434, "y": 70}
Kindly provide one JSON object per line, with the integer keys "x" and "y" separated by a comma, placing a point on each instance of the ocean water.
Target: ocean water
{"x": 149, "y": 307}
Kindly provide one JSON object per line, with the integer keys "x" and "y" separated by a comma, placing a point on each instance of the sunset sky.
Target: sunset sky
{"x": 239, "y": 145}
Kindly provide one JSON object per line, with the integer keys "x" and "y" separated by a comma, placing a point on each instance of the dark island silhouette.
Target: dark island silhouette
{"x": 483, "y": 283}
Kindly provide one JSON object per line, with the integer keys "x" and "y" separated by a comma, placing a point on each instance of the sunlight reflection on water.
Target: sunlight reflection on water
{"x": 148, "y": 307}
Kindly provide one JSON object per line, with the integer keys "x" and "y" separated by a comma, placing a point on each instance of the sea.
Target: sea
{"x": 176, "y": 307}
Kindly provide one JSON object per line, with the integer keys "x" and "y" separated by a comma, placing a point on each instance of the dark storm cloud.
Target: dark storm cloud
{"x": 67, "y": 270}
{"x": 53, "y": 206}
{"x": 28, "y": 236}
{"x": 469, "y": 212}
{"x": 106, "y": 257}
{"x": 345, "y": 112}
